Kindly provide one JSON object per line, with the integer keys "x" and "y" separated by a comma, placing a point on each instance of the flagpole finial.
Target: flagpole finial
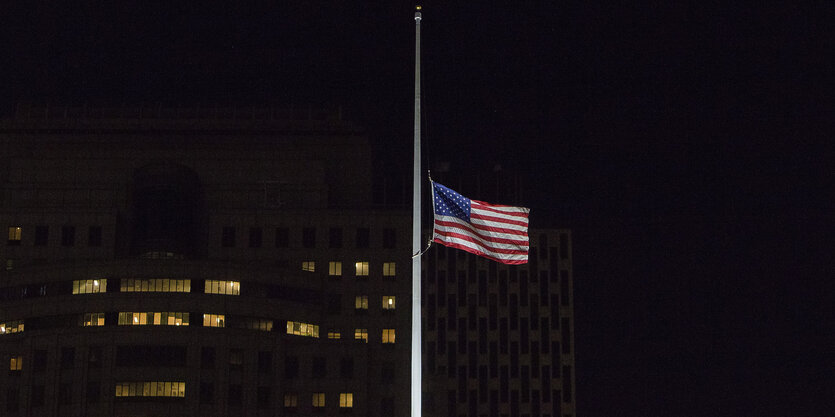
{"x": 418, "y": 16}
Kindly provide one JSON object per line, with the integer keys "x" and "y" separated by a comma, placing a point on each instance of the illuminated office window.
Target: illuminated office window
{"x": 309, "y": 266}
{"x": 362, "y": 269}
{"x": 318, "y": 399}
{"x": 92, "y": 319}
{"x": 346, "y": 400}
{"x": 214, "y": 320}
{"x": 89, "y": 286}
{"x": 388, "y": 335}
{"x": 15, "y": 234}
{"x": 334, "y": 335}
{"x": 361, "y": 334}
{"x": 361, "y": 302}
{"x": 335, "y": 268}
{"x": 223, "y": 287}
{"x": 388, "y": 269}
{"x": 388, "y": 302}
{"x": 175, "y": 389}
{"x": 155, "y": 285}
{"x": 291, "y": 400}
{"x": 15, "y": 363}
{"x": 302, "y": 329}
{"x": 153, "y": 318}
{"x": 10, "y": 327}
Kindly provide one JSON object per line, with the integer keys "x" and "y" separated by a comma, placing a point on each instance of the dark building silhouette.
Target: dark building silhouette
{"x": 227, "y": 261}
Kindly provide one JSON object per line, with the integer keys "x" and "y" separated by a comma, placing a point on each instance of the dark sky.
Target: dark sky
{"x": 684, "y": 145}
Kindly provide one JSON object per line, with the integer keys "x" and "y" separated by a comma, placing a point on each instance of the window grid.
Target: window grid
{"x": 346, "y": 400}
{"x": 151, "y": 389}
{"x": 334, "y": 335}
{"x": 388, "y": 302}
{"x": 155, "y": 285}
{"x": 302, "y": 329}
{"x": 361, "y": 334}
{"x": 335, "y": 268}
{"x": 291, "y": 400}
{"x": 362, "y": 268}
{"x": 154, "y": 318}
{"x": 92, "y": 319}
{"x": 309, "y": 266}
{"x": 222, "y": 287}
{"x": 361, "y": 302}
{"x": 318, "y": 399}
{"x": 389, "y": 269}
{"x": 214, "y": 320}
{"x": 15, "y": 234}
{"x": 89, "y": 286}
{"x": 15, "y": 326}
{"x": 15, "y": 363}
{"x": 388, "y": 336}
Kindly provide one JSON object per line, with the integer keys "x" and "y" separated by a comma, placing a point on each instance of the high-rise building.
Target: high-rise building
{"x": 226, "y": 261}
{"x": 197, "y": 262}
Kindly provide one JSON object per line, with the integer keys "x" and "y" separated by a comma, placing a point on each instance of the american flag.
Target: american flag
{"x": 489, "y": 230}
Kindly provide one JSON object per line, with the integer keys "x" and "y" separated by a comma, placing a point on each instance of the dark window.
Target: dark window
{"x": 236, "y": 358}
{"x": 387, "y": 372}
{"x": 207, "y": 392}
{"x": 207, "y": 357}
{"x": 93, "y": 392}
{"x": 387, "y": 406}
{"x": 264, "y": 397}
{"x": 65, "y": 394}
{"x": 389, "y": 238}
{"x": 566, "y": 335}
{"x": 309, "y": 237}
{"x": 12, "y": 398}
{"x": 282, "y": 237}
{"x": 319, "y": 367}
{"x": 563, "y": 246}
{"x": 255, "y": 237}
{"x": 94, "y": 236}
{"x": 566, "y": 385}
{"x": 68, "y": 235}
{"x": 291, "y": 367}
{"x": 227, "y": 238}
{"x": 363, "y": 234}
{"x": 37, "y": 397}
{"x": 265, "y": 362}
{"x": 335, "y": 237}
{"x": 94, "y": 357}
{"x": 346, "y": 367}
{"x": 235, "y": 394}
{"x": 39, "y": 361}
{"x": 67, "y": 357}
{"x": 142, "y": 355}
{"x": 41, "y": 235}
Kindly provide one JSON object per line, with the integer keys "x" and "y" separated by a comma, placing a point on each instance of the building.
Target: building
{"x": 223, "y": 262}
{"x": 197, "y": 262}
{"x": 499, "y": 338}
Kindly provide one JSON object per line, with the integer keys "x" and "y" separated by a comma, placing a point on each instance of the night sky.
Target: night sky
{"x": 683, "y": 145}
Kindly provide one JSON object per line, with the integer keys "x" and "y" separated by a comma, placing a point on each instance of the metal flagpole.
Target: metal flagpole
{"x": 416, "y": 273}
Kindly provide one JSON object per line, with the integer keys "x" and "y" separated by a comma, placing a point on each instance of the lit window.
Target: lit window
{"x": 223, "y": 287}
{"x": 346, "y": 400}
{"x": 309, "y": 266}
{"x": 361, "y": 334}
{"x": 302, "y": 329}
{"x": 155, "y": 285}
{"x": 318, "y": 399}
{"x": 388, "y": 335}
{"x": 388, "y": 269}
{"x": 265, "y": 325}
{"x": 154, "y": 318}
{"x": 334, "y": 335}
{"x": 15, "y": 234}
{"x": 335, "y": 268}
{"x": 388, "y": 302}
{"x": 89, "y": 286}
{"x": 362, "y": 269}
{"x": 16, "y": 363}
{"x": 214, "y": 320}
{"x": 10, "y": 327}
{"x": 291, "y": 400}
{"x": 92, "y": 319}
{"x": 151, "y": 389}
{"x": 361, "y": 302}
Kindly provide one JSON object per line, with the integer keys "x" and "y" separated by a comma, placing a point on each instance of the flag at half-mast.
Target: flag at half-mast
{"x": 493, "y": 231}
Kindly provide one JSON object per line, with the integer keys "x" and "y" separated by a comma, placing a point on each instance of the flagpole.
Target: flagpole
{"x": 416, "y": 270}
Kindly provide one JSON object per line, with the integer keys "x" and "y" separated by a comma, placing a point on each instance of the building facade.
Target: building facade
{"x": 197, "y": 262}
